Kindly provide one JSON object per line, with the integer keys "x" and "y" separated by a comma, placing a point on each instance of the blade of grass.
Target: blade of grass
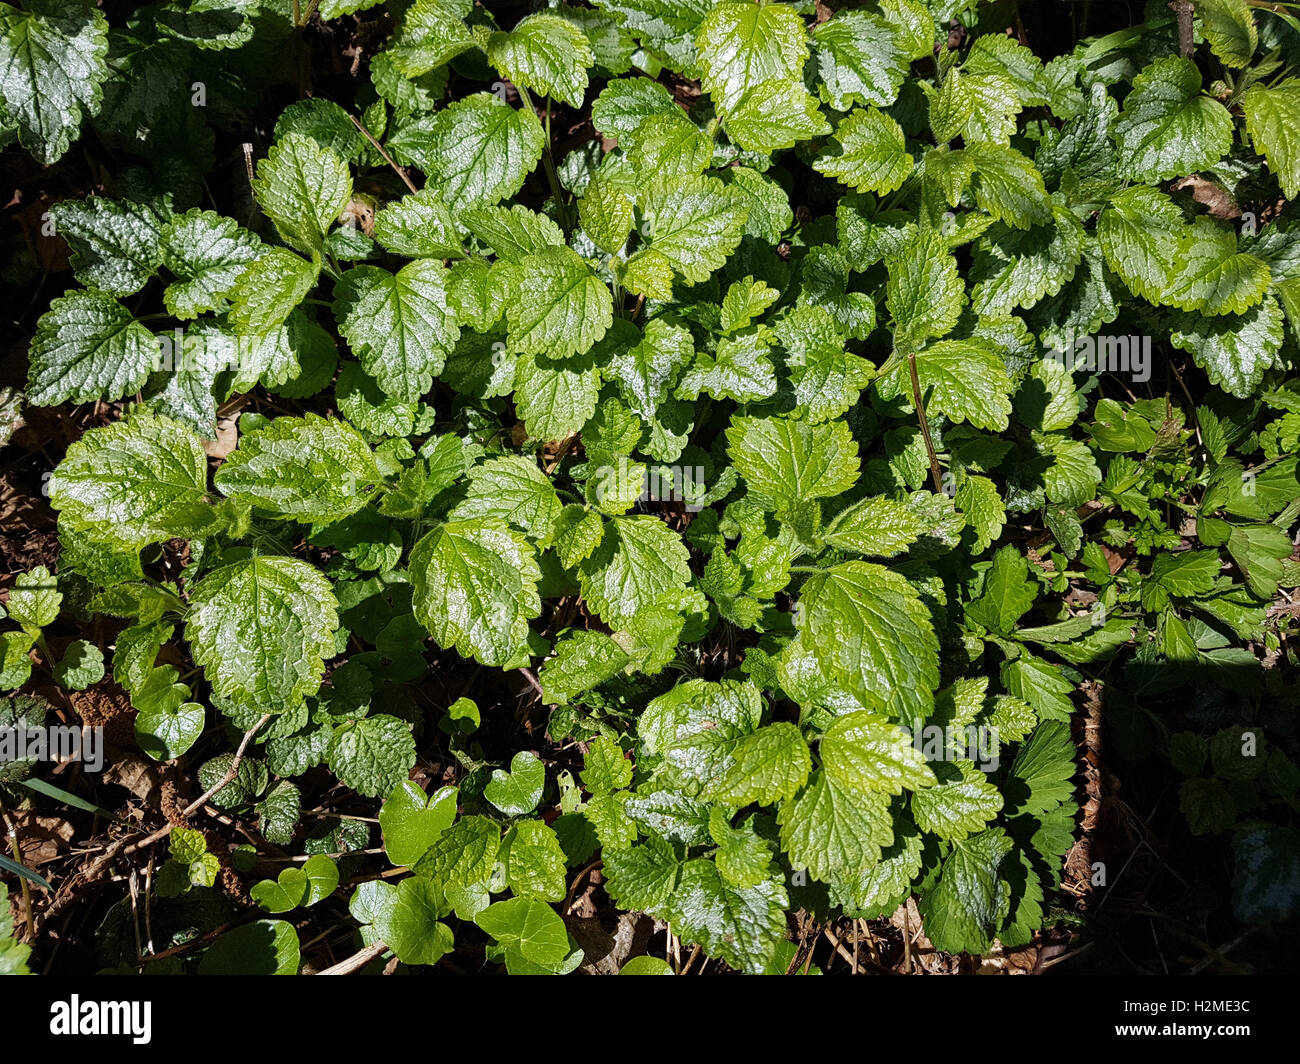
{"x": 8, "y": 864}
{"x": 60, "y": 795}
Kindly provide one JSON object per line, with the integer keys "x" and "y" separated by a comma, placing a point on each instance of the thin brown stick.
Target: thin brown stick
{"x": 357, "y": 961}
{"x": 1186, "y": 41}
{"x": 380, "y": 148}
{"x": 925, "y": 425}
{"x": 528, "y": 675}
{"x": 573, "y": 887}
{"x": 122, "y": 847}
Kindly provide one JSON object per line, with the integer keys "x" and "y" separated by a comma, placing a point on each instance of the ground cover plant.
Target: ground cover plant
{"x": 654, "y": 486}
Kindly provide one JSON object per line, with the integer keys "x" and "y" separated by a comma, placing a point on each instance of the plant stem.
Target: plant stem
{"x": 548, "y": 160}
{"x": 925, "y": 424}
{"x": 12, "y": 832}
{"x": 380, "y": 148}
{"x": 1186, "y": 41}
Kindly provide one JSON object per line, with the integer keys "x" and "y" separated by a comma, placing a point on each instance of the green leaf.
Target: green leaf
{"x": 998, "y": 54}
{"x": 400, "y": 325}
{"x": 624, "y": 105}
{"x": 303, "y": 189}
{"x": 265, "y": 947}
{"x": 413, "y": 821}
{"x": 1072, "y": 478}
{"x": 833, "y": 831}
{"x": 974, "y": 105}
{"x": 1234, "y": 350}
{"x": 1212, "y": 276}
{"x": 1140, "y": 233}
{"x": 1266, "y": 880}
{"x": 167, "y": 725}
{"x": 964, "y": 909}
{"x": 639, "y": 559}
{"x": 249, "y": 781}
{"x": 512, "y": 489}
{"x": 872, "y": 155}
{"x": 1009, "y": 187}
{"x": 372, "y": 755}
{"x": 87, "y": 347}
{"x": 1208, "y": 806}
{"x": 261, "y": 629}
{"x": 134, "y": 482}
{"x": 739, "y": 925}
{"x": 979, "y": 500}
{"x": 207, "y": 253}
{"x": 742, "y": 44}
{"x": 209, "y": 24}
{"x": 479, "y": 150}
{"x": 578, "y": 532}
{"x": 745, "y": 300}
{"x": 870, "y": 633}
{"x": 606, "y": 769}
{"x": 534, "y": 862}
{"x": 741, "y": 368}
{"x": 433, "y": 33}
{"x": 555, "y": 398}
{"x": 960, "y": 804}
{"x": 462, "y": 860}
{"x": 558, "y": 308}
{"x": 518, "y": 791}
{"x": 546, "y": 54}
{"x": 924, "y": 292}
{"x": 1272, "y": 120}
{"x": 13, "y": 955}
{"x": 1041, "y": 685}
{"x": 282, "y": 894}
{"x": 863, "y": 752}
{"x": 1229, "y": 26}
{"x": 793, "y": 462}
{"x": 52, "y": 69}
{"x": 743, "y": 857}
{"x": 691, "y": 223}
{"x": 645, "y": 369}
{"x": 1043, "y": 769}
{"x": 773, "y": 116}
{"x": 1016, "y": 268}
{"x": 34, "y": 599}
{"x": 306, "y": 469}
{"x": 607, "y": 214}
{"x": 582, "y": 661}
{"x": 419, "y": 225}
{"x": 876, "y": 526}
{"x": 965, "y": 380}
{"x": 1168, "y": 128}
{"x": 408, "y": 923}
{"x": 268, "y": 290}
{"x": 861, "y": 58}
{"x": 1008, "y": 592}
{"x": 643, "y": 877}
{"x": 513, "y": 233}
{"x": 279, "y": 812}
{"x": 115, "y": 246}
{"x": 475, "y": 588}
{"x": 528, "y": 927}
{"x": 81, "y": 666}
{"x": 878, "y": 888}
{"x": 767, "y": 766}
